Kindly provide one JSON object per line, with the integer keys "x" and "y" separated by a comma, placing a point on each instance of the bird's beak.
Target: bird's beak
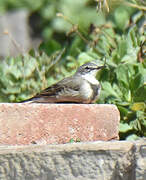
{"x": 100, "y": 67}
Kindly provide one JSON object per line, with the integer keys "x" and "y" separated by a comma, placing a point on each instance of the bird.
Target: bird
{"x": 82, "y": 87}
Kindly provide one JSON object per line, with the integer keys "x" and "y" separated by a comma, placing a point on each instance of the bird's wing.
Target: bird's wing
{"x": 66, "y": 87}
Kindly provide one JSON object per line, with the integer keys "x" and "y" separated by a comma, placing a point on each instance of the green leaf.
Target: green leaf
{"x": 12, "y": 90}
{"x": 133, "y": 35}
{"x": 122, "y": 48}
{"x": 71, "y": 140}
{"x": 30, "y": 66}
{"x": 132, "y": 137}
{"x": 121, "y": 18}
{"x": 124, "y": 127}
{"x": 12, "y": 97}
{"x": 123, "y": 111}
{"x": 122, "y": 74}
{"x": 108, "y": 88}
{"x": 49, "y": 47}
{"x": 76, "y": 47}
{"x": 84, "y": 58}
{"x": 137, "y": 82}
{"x": 138, "y": 106}
{"x": 140, "y": 94}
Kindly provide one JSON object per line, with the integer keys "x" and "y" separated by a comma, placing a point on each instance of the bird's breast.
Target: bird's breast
{"x": 90, "y": 91}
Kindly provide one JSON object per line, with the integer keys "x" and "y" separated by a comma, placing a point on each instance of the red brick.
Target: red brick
{"x": 57, "y": 123}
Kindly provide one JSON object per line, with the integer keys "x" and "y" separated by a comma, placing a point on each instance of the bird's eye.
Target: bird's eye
{"x": 87, "y": 68}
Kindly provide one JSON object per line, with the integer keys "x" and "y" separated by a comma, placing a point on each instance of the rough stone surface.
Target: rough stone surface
{"x": 57, "y": 123}
{"x": 15, "y": 23}
{"x": 140, "y": 157}
{"x": 77, "y": 161}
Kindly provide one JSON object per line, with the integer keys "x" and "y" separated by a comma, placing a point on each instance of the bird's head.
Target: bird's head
{"x": 90, "y": 69}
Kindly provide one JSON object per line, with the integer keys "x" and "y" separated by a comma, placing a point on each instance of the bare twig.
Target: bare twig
{"x": 15, "y": 43}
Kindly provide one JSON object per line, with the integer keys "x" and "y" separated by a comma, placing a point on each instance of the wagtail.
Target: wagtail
{"x": 82, "y": 87}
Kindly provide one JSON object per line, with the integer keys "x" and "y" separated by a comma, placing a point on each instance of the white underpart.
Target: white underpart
{"x": 86, "y": 88}
{"x": 90, "y": 78}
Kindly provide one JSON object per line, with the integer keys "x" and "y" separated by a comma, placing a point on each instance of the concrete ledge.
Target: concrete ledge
{"x": 77, "y": 161}
{"x": 57, "y": 123}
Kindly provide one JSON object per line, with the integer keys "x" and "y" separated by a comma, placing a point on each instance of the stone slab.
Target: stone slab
{"x": 22, "y": 123}
{"x": 115, "y": 160}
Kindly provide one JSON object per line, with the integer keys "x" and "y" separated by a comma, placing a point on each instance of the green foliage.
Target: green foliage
{"x": 23, "y": 76}
{"x": 124, "y": 80}
{"x": 117, "y": 36}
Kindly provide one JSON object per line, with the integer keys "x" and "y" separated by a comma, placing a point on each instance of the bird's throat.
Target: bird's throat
{"x": 91, "y": 79}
